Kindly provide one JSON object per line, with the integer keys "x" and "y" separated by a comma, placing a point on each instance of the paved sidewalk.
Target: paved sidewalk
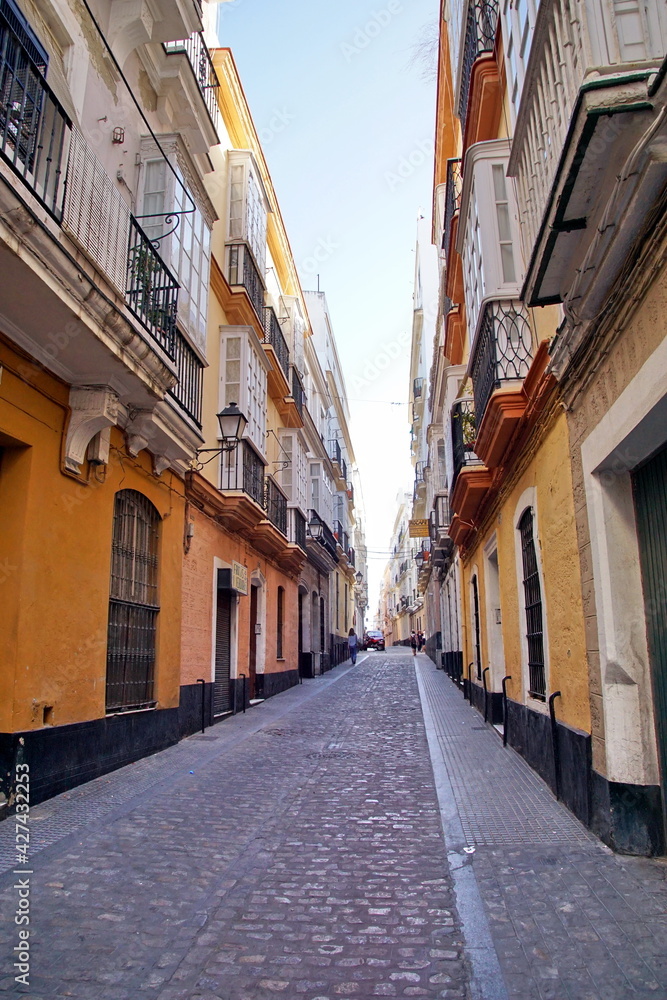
{"x": 294, "y": 852}
{"x": 569, "y": 919}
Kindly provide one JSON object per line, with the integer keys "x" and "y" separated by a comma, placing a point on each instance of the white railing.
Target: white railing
{"x": 572, "y": 39}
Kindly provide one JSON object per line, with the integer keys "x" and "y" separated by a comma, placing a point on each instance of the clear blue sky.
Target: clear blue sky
{"x": 347, "y": 123}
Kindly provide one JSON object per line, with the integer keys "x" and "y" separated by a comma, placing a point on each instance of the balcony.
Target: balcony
{"x": 152, "y": 290}
{"x": 202, "y": 67}
{"x": 34, "y": 127}
{"x": 452, "y": 202}
{"x": 439, "y": 522}
{"x": 335, "y": 453}
{"x": 480, "y": 37}
{"x": 328, "y": 539}
{"x": 275, "y": 504}
{"x": 500, "y": 358}
{"x": 338, "y": 531}
{"x": 296, "y": 527}
{"x": 298, "y": 392}
{"x": 188, "y": 391}
{"x": 242, "y": 272}
{"x": 417, "y": 387}
{"x": 243, "y": 470}
{"x": 586, "y": 103}
{"x": 471, "y": 479}
{"x": 273, "y": 336}
{"x": 464, "y": 433}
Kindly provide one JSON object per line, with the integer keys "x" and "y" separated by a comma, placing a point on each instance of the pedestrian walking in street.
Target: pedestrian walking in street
{"x": 414, "y": 642}
{"x": 421, "y": 640}
{"x": 353, "y": 645}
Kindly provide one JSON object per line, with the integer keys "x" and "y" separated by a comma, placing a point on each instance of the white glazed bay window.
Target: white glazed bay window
{"x": 294, "y": 477}
{"x": 243, "y": 379}
{"x": 518, "y": 25}
{"x": 321, "y": 492}
{"x": 489, "y": 240}
{"x": 187, "y": 249}
{"x": 248, "y": 206}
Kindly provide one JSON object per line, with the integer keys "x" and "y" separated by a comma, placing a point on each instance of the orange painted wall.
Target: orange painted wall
{"x": 211, "y": 541}
{"x": 55, "y": 540}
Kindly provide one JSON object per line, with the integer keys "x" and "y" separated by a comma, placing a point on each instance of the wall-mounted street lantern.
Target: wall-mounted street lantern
{"x": 419, "y": 559}
{"x": 315, "y": 529}
{"x": 232, "y": 425}
{"x": 359, "y": 578}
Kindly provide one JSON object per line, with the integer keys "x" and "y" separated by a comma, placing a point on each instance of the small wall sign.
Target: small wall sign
{"x": 239, "y": 578}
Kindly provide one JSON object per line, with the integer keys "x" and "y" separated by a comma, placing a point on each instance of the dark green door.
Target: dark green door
{"x": 650, "y": 493}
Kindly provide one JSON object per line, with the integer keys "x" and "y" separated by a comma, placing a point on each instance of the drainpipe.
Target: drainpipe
{"x": 200, "y": 680}
{"x": 554, "y": 740}
{"x": 470, "y": 666}
{"x": 245, "y": 678}
{"x": 506, "y": 678}
{"x": 484, "y": 673}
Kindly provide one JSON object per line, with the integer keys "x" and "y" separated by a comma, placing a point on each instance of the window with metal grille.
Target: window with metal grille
{"x": 133, "y": 603}
{"x": 533, "y": 603}
{"x": 280, "y": 616}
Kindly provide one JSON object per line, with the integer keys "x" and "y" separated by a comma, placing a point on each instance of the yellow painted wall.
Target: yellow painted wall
{"x": 549, "y": 473}
{"x": 56, "y": 531}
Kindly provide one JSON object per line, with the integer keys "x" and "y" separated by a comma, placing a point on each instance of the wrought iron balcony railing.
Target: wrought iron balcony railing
{"x": 338, "y": 531}
{"x": 34, "y": 127}
{"x": 480, "y": 36}
{"x": 243, "y": 469}
{"x": 202, "y": 66}
{"x": 188, "y": 391}
{"x": 464, "y": 433}
{"x": 274, "y": 335}
{"x": 242, "y": 270}
{"x": 343, "y": 469}
{"x": 275, "y": 504}
{"x": 298, "y": 392}
{"x": 351, "y": 555}
{"x": 335, "y": 452}
{"x": 152, "y": 290}
{"x": 420, "y": 469}
{"x": 345, "y": 541}
{"x": 417, "y": 387}
{"x": 296, "y": 527}
{"x": 452, "y": 200}
{"x": 503, "y": 350}
{"x": 328, "y": 539}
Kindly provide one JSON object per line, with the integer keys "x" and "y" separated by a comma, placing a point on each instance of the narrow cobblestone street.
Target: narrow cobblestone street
{"x": 304, "y": 850}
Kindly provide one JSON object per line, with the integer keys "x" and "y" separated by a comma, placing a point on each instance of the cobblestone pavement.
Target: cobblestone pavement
{"x": 295, "y": 852}
{"x": 569, "y": 919}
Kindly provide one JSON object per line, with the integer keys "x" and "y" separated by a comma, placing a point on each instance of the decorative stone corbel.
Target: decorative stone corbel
{"x": 93, "y": 410}
{"x": 130, "y": 25}
{"x": 139, "y": 430}
{"x": 160, "y": 463}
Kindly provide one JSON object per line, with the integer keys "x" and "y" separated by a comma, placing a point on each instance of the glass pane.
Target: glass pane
{"x": 499, "y": 188}
{"x": 507, "y": 258}
{"x": 504, "y": 227}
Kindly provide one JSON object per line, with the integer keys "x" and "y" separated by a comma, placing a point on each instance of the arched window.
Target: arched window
{"x": 280, "y": 623}
{"x": 532, "y": 592}
{"x": 133, "y": 603}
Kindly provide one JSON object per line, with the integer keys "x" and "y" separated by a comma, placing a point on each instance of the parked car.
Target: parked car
{"x": 373, "y": 640}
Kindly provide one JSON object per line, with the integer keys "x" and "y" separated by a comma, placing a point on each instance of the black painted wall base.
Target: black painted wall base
{"x": 190, "y": 708}
{"x": 62, "y": 757}
{"x": 626, "y": 817}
